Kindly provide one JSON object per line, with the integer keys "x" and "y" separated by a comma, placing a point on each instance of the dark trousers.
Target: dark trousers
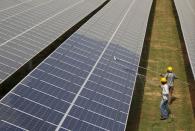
{"x": 164, "y": 109}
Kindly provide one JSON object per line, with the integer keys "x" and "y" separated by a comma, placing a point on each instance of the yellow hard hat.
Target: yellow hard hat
{"x": 169, "y": 68}
{"x": 163, "y": 80}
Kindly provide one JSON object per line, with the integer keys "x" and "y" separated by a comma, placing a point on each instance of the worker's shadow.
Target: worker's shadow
{"x": 173, "y": 98}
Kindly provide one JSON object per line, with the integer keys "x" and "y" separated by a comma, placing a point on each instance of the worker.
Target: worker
{"x": 170, "y": 76}
{"x": 164, "y": 109}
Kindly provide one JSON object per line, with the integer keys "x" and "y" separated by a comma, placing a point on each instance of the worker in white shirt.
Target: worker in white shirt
{"x": 164, "y": 109}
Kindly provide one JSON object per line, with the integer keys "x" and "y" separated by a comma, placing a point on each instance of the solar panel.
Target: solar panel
{"x": 7, "y": 4}
{"x": 27, "y": 32}
{"x": 21, "y": 8}
{"x": 87, "y": 83}
{"x": 186, "y": 13}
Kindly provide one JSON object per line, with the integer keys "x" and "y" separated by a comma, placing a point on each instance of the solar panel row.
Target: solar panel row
{"x": 25, "y": 34}
{"x": 186, "y": 13}
{"x": 7, "y": 4}
{"x": 80, "y": 86}
{"x": 21, "y": 8}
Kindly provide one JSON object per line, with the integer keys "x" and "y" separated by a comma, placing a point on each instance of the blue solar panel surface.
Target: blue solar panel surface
{"x": 80, "y": 86}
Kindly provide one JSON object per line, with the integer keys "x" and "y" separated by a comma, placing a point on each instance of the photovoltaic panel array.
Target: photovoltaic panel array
{"x": 28, "y": 28}
{"x": 186, "y": 13}
{"x": 87, "y": 83}
{"x": 6, "y": 4}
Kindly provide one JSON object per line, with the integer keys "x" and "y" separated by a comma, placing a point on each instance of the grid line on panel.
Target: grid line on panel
{"x": 14, "y": 125}
{"x": 16, "y": 5}
{"x": 25, "y": 10}
{"x": 15, "y": 109}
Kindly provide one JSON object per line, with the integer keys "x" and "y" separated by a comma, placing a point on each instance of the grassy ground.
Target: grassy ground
{"x": 164, "y": 49}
